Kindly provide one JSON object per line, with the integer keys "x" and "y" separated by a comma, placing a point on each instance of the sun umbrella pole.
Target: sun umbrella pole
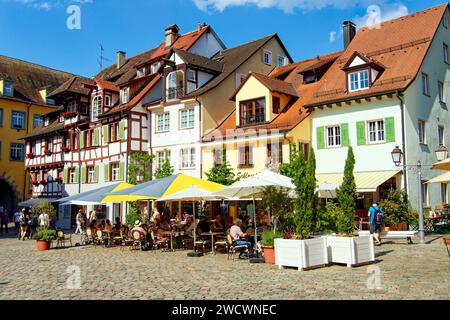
{"x": 256, "y": 227}
{"x": 195, "y": 226}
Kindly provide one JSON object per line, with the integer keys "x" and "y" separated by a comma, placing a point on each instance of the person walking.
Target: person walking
{"x": 23, "y": 226}
{"x": 44, "y": 220}
{"x": 4, "y": 220}
{"x": 16, "y": 219}
{"x": 376, "y": 221}
{"x": 78, "y": 219}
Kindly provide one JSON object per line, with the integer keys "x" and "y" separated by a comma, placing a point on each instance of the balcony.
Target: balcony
{"x": 174, "y": 93}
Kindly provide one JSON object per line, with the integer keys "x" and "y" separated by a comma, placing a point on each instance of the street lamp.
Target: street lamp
{"x": 441, "y": 153}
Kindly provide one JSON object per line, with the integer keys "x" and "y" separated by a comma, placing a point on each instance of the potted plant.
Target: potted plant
{"x": 44, "y": 238}
{"x": 346, "y": 248}
{"x": 65, "y": 149}
{"x": 35, "y": 182}
{"x": 396, "y": 208}
{"x": 268, "y": 240}
{"x": 59, "y": 180}
{"x": 43, "y": 182}
{"x": 68, "y": 114}
{"x": 31, "y": 155}
{"x": 301, "y": 250}
{"x": 48, "y": 152}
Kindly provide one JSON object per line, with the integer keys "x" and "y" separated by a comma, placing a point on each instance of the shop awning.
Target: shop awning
{"x": 35, "y": 201}
{"x": 365, "y": 181}
{"x": 443, "y": 178}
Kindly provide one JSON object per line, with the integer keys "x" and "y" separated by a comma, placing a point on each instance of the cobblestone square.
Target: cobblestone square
{"x": 406, "y": 272}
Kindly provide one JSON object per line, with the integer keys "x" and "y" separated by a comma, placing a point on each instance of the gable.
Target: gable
{"x": 357, "y": 61}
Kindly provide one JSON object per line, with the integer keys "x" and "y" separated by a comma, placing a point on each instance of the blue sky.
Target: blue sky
{"x": 36, "y": 30}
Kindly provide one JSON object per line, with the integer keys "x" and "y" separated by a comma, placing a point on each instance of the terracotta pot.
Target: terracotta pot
{"x": 269, "y": 255}
{"x": 43, "y": 245}
{"x": 387, "y": 228}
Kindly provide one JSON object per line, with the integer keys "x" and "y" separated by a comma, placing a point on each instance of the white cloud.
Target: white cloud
{"x": 49, "y": 4}
{"x": 332, "y": 36}
{"x": 377, "y": 14}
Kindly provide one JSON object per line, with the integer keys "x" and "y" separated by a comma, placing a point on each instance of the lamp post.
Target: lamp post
{"x": 397, "y": 158}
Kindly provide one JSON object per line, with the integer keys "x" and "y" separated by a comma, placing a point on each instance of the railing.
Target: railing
{"x": 174, "y": 93}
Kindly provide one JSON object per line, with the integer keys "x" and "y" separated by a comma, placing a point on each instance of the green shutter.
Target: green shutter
{"x": 345, "y": 139}
{"x": 96, "y": 137}
{"x": 121, "y": 176}
{"x": 122, "y": 130}
{"x": 77, "y": 175}
{"x": 389, "y": 124}
{"x": 361, "y": 133}
{"x": 96, "y": 174}
{"x": 66, "y": 176}
{"x": 105, "y": 135}
{"x": 106, "y": 170}
{"x": 83, "y": 175}
{"x": 320, "y": 138}
{"x": 81, "y": 142}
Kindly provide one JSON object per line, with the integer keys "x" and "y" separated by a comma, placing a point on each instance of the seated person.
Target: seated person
{"x": 117, "y": 224}
{"x": 103, "y": 225}
{"x": 93, "y": 225}
{"x": 219, "y": 224}
{"x": 203, "y": 225}
{"x": 108, "y": 226}
{"x": 239, "y": 238}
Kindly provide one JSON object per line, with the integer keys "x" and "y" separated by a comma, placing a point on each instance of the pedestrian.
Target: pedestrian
{"x": 79, "y": 218}
{"x": 93, "y": 216}
{"x": 23, "y": 226}
{"x": 33, "y": 223}
{"x": 4, "y": 220}
{"x": 44, "y": 220}
{"x": 376, "y": 221}
{"x": 16, "y": 219}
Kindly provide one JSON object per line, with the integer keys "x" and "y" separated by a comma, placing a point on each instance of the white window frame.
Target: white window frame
{"x": 90, "y": 174}
{"x": 72, "y": 106}
{"x": 425, "y": 193}
{"x": 71, "y": 175}
{"x": 267, "y": 54}
{"x": 441, "y": 91}
{"x": 37, "y": 118}
{"x": 425, "y": 84}
{"x": 191, "y": 75}
{"x": 336, "y": 136}
{"x": 115, "y": 171}
{"x": 125, "y": 95}
{"x": 162, "y": 156}
{"x": 379, "y": 131}
{"x": 18, "y": 117}
{"x": 445, "y": 53}
{"x": 97, "y": 102}
{"x": 358, "y": 83}
{"x": 107, "y": 101}
{"x": 283, "y": 63}
{"x": 165, "y": 122}
{"x": 421, "y": 130}
{"x": 154, "y": 68}
{"x": 441, "y": 137}
{"x": 190, "y": 119}
{"x": 187, "y": 158}
{"x": 444, "y": 193}
{"x": 15, "y": 148}
{"x": 169, "y": 84}
{"x": 8, "y": 89}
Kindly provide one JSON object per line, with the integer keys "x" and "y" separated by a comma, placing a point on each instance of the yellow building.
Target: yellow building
{"x": 268, "y": 119}
{"x": 23, "y": 90}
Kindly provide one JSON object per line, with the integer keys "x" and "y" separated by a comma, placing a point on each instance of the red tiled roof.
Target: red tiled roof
{"x": 107, "y": 85}
{"x": 400, "y": 45}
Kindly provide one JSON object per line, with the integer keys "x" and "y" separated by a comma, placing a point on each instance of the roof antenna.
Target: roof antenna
{"x": 102, "y": 58}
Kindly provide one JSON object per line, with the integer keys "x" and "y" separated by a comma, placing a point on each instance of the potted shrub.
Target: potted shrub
{"x": 301, "y": 250}
{"x": 396, "y": 208}
{"x": 59, "y": 180}
{"x": 43, "y": 182}
{"x": 346, "y": 248}
{"x": 267, "y": 240}
{"x": 48, "y": 152}
{"x": 30, "y": 155}
{"x": 44, "y": 238}
{"x": 35, "y": 182}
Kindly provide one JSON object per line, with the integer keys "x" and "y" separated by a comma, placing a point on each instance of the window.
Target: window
{"x": 1, "y": 118}
{"x": 18, "y": 120}
{"x": 276, "y": 105}
{"x": 275, "y": 153}
{"x": 444, "y": 198}
{"x": 281, "y": 61}
{"x": 303, "y": 146}
{"x": 175, "y": 85}
{"x": 163, "y": 122}
{"x": 67, "y": 141}
{"x": 8, "y": 89}
{"x": 359, "y": 80}
{"x": 49, "y": 144}
{"x": 191, "y": 75}
{"x": 16, "y": 152}
{"x": 188, "y": 158}
{"x": 239, "y": 79}
{"x": 155, "y": 67}
{"x": 219, "y": 156}
{"x": 334, "y": 136}
{"x": 72, "y": 106}
{"x": 441, "y": 92}
{"x": 96, "y": 107}
{"x": 187, "y": 119}
{"x": 422, "y": 136}
{"x": 445, "y": 48}
{"x": 51, "y": 102}
{"x": 445, "y": 22}
{"x": 246, "y": 156}
{"x": 107, "y": 101}
{"x": 71, "y": 175}
{"x": 425, "y": 84}
{"x": 37, "y": 120}
{"x": 161, "y": 157}
{"x": 253, "y": 112}
{"x": 376, "y": 131}
{"x": 114, "y": 132}
{"x": 267, "y": 57}
{"x": 141, "y": 73}
{"x": 125, "y": 95}
{"x": 441, "y": 139}
{"x": 115, "y": 171}
{"x": 90, "y": 175}
{"x": 425, "y": 193}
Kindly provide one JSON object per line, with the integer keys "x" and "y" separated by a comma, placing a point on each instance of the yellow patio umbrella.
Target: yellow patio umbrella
{"x": 442, "y": 165}
{"x": 442, "y": 179}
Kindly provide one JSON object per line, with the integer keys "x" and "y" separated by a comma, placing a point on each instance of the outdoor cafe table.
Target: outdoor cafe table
{"x": 212, "y": 235}
{"x": 170, "y": 233}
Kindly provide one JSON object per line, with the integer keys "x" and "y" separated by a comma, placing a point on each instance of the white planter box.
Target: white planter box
{"x": 301, "y": 254}
{"x": 350, "y": 250}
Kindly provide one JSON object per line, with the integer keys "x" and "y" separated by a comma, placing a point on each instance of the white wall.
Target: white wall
{"x": 206, "y": 46}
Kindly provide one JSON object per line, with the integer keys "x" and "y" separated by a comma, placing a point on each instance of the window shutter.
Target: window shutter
{"x": 122, "y": 130}
{"x": 96, "y": 137}
{"x": 345, "y": 139}
{"x": 66, "y": 176}
{"x": 389, "y": 124}
{"x": 106, "y": 168}
{"x": 121, "y": 173}
{"x": 77, "y": 175}
{"x": 96, "y": 174}
{"x": 361, "y": 132}
{"x": 320, "y": 138}
{"x": 81, "y": 138}
{"x": 83, "y": 175}
{"x": 105, "y": 135}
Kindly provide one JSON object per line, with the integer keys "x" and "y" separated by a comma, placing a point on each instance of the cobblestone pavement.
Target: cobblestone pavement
{"x": 406, "y": 272}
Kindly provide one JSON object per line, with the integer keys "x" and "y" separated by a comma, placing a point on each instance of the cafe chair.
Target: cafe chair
{"x": 233, "y": 249}
{"x": 201, "y": 241}
{"x": 62, "y": 238}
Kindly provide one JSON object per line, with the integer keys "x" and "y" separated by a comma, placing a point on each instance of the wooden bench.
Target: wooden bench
{"x": 408, "y": 235}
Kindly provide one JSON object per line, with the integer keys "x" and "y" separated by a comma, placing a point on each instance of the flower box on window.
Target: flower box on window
{"x": 48, "y": 152}
{"x": 30, "y": 155}
{"x": 65, "y": 149}
{"x": 43, "y": 182}
{"x": 35, "y": 182}
{"x": 59, "y": 180}
{"x": 69, "y": 114}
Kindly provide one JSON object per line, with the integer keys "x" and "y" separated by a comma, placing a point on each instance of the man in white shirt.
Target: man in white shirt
{"x": 237, "y": 234}
{"x": 78, "y": 219}
{"x": 44, "y": 220}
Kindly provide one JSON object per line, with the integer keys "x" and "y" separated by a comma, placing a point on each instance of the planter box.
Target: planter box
{"x": 301, "y": 254}
{"x": 269, "y": 255}
{"x": 350, "y": 251}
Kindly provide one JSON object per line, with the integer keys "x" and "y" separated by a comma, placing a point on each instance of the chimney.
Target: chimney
{"x": 121, "y": 59}
{"x": 349, "y": 29}
{"x": 171, "y": 33}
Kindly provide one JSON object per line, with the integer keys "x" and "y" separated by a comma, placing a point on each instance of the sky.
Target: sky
{"x": 67, "y": 34}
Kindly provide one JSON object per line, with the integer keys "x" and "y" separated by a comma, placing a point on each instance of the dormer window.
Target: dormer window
{"x": 175, "y": 85}
{"x": 97, "y": 103}
{"x": 154, "y": 68}
{"x": 8, "y": 89}
{"x": 141, "y": 73}
{"x": 72, "y": 106}
{"x": 125, "y": 95}
{"x": 107, "y": 101}
{"x": 358, "y": 80}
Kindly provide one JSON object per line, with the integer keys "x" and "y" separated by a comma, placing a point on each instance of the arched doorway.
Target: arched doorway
{"x": 8, "y": 195}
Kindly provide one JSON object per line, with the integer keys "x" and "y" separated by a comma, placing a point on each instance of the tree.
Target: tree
{"x": 346, "y": 196}
{"x": 222, "y": 174}
{"x": 140, "y": 166}
{"x": 166, "y": 170}
{"x": 395, "y": 207}
{"x": 289, "y": 169}
{"x": 45, "y": 207}
{"x": 278, "y": 203}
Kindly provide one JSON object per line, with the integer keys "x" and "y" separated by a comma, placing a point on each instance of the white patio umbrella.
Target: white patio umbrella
{"x": 254, "y": 185}
{"x": 193, "y": 194}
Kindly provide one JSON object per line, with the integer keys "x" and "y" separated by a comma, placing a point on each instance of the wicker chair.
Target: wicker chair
{"x": 91, "y": 236}
{"x": 62, "y": 238}
{"x": 160, "y": 241}
{"x": 222, "y": 242}
{"x": 233, "y": 248}
{"x": 138, "y": 240}
{"x": 201, "y": 241}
